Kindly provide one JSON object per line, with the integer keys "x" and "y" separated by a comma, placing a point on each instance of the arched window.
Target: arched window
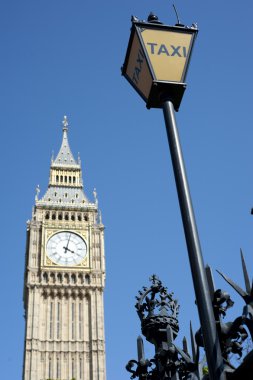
{"x": 53, "y": 216}
{"x": 73, "y": 217}
{"x": 69, "y": 179}
{"x": 86, "y": 218}
{"x": 66, "y": 216}
{"x": 79, "y": 217}
{"x": 80, "y": 278}
{"x": 57, "y": 178}
{"x": 73, "y": 278}
{"x": 87, "y": 279}
{"x": 60, "y": 216}
{"x": 74, "y": 179}
{"x": 52, "y": 278}
{"x": 61, "y": 178}
{"x": 66, "y": 278}
{"x": 65, "y": 179}
{"x": 47, "y": 215}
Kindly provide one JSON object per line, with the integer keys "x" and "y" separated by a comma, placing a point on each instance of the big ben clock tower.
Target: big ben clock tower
{"x": 64, "y": 278}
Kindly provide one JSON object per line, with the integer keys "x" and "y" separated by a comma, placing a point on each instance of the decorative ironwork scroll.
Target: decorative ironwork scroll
{"x": 158, "y": 312}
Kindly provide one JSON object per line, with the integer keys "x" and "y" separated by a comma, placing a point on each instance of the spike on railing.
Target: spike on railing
{"x": 210, "y": 281}
{"x": 185, "y": 345}
{"x": 245, "y": 274}
{"x": 140, "y": 349}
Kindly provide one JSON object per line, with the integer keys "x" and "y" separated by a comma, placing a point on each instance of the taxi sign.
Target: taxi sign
{"x": 156, "y": 61}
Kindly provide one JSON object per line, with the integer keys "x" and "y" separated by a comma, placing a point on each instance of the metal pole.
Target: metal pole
{"x": 204, "y": 304}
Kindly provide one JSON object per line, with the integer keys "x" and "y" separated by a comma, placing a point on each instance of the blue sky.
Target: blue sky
{"x": 63, "y": 58}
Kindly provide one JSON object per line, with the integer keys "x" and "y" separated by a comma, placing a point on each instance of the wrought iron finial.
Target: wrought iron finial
{"x": 158, "y": 313}
{"x": 157, "y": 309}
{"x": 155, "y": 280}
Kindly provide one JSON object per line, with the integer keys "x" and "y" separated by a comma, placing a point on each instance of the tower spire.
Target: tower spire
{"x": 65, "y": 156}
{"x": 65, "y": 186}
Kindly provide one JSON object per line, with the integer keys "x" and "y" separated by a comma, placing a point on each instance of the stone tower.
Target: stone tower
{"x": 64, "y": 278}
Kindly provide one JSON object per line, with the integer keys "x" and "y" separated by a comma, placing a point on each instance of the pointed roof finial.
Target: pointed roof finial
{"x": 37, "y": 193}
{"x": 79, "y": 159}
{"x": 95, "y": 196}
{"x": 65, "y": 123}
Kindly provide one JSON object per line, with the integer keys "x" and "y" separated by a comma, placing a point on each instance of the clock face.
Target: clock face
{"x": 66, "y": 248}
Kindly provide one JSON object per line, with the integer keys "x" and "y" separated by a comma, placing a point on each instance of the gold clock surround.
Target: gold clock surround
{"x": 47, "y": 262}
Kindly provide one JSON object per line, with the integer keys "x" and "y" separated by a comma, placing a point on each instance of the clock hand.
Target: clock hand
{"x": 66, "y": 248}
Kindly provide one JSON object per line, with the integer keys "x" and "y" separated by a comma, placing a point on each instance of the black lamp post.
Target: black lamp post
{"x": 156, "y": 64}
